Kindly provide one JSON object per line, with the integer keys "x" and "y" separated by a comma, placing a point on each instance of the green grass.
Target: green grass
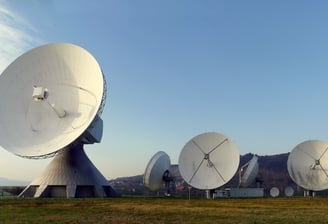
{"x": 164, "y": 210}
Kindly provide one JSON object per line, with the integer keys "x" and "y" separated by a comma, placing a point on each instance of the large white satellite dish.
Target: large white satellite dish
{"x": 158, "y": 172}
{"x": 52, "y": 98}
{"x": 248, "y": 176}
{"x": 308, "y": 163}
{"x": 208, "y": 161}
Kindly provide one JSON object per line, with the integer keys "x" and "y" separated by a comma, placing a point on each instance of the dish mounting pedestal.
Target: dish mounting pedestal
{"x": 70, "y": 174}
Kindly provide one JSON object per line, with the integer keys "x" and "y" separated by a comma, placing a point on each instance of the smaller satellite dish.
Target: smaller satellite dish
{"x": 289, "y": 191}
{"x": 308, "y": 163}
{"x": 274, "y": 192}
{"x": 246, "y": 178}
{"x": 208, "y": 161}
{"x": 158, "y": 172}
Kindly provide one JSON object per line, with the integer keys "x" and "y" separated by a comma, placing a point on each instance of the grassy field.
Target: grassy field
{"x": 164, "y": 210}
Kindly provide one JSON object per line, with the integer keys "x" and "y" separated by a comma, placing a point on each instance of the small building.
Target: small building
{"x": 239, "y": 193}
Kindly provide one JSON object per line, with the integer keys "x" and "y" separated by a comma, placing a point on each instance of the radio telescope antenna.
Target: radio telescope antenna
{"x": 247, "y": 177}
{"x": 274, "y": 192}
{"x": 208, "y": 161}
{"x": 158, "y": 172}
{"x": 307, "y": 165}
{"x": 52, "y": 98}
{"x": 289, "y": 191}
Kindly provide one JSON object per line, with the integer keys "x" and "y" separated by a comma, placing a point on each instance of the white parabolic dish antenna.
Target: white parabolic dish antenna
{"x": 250, "y": 173}
{"x": 274, "y": 192}
{"x": 52, "y": 98}
{"x": 208, "y": 161}
{"x": 308, "y": 163}
{"x": 289, "y": 191}
{"x": 157, "y": 171}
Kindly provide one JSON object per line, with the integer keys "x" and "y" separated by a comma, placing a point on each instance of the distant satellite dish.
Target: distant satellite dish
{"x": 52, "y": 98}
{"x": 289, "y": 191}
{"x": 308, "y": 163}
{"x": 246, "y": 178}
{"x": 158, "y": 171}
{"x": 208, "y": 161}
{"x": 274, "y": 192}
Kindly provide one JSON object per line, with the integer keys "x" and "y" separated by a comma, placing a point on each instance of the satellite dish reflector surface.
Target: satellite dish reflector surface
{"x": 50, "y": 95}
{"x": 250, "y": 173}
{"x": 52, "y": 99}
{"x": 208, "y": 161}
{"x": 289, "y": 191}
{"x": 157, "y": 170}
{"x": 308, "y": 163}
{"x": 274, "y": 192}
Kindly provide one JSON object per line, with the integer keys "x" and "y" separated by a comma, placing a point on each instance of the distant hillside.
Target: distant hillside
{"x": 272, "y": 173}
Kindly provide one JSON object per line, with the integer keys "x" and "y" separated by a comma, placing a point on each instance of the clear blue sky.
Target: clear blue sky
{"x": 256, "y": 71}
